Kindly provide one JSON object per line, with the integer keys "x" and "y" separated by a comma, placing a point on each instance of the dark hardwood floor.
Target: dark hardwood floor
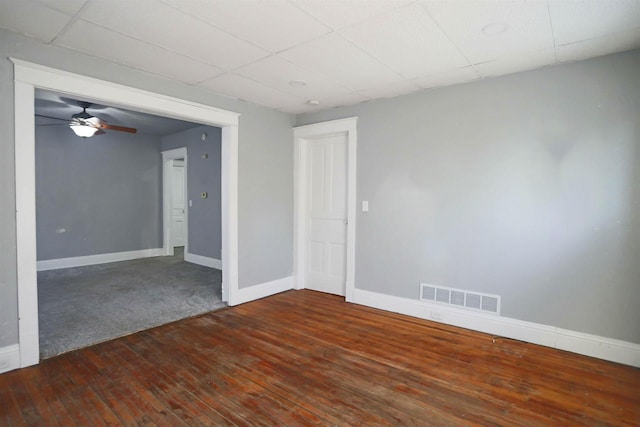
{"x": 305, "y": 358}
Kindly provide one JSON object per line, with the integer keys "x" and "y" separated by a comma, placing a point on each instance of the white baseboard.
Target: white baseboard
{"x": 262, "y": 290}
{"x": 203, "y": 260}
{"x": 563, "y": 339}
{"x": 9, "y": 358}
{"x": 79, "y": 261}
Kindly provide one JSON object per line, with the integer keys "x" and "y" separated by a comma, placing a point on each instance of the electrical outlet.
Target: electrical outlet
{"x": 436, "y": 315}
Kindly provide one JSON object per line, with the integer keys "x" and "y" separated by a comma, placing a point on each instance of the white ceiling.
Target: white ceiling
{"x": 347, "y": 51}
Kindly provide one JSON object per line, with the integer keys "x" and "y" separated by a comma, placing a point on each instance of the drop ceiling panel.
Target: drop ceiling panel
{"x": 447, "y": 78}
{"x": 348, "y": 51}
{"x": 580, "y": 20}
{"x": 528, "y": 23}
{"x": 340, "y": 100}
{"x": 341, "y": 61}
{"x": 274, "y": 25}
{"x": 516, "y": 63}
{"x": 97, "y": 41}
{"x": 246, "y": 89}
{"x": 408, "y": 41}
{"x": 32, "y": 19}
{"x": 163, "y": 26}
{"x": 389, "y": 91}
{"x": 339, "y": 14}
{"x": 69, "y": 7}
{"x": 617, "y": 42}
{"x": 277, "y": 72}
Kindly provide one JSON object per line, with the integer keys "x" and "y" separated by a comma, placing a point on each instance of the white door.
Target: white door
{"x": 178, "y": 231}
{"x": 327, "y": 214}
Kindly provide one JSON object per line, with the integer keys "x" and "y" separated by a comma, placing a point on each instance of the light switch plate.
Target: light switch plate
{"x": 365, "y": 206}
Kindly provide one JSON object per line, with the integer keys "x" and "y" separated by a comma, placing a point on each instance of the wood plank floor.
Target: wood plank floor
{"x": 305, "y": 358}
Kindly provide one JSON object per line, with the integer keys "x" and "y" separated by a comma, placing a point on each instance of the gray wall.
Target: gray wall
{"x": 103, "y": 191}
{"x": 265, "y": 221}
{"x": 265, "y": 147}
{"x": 205, "y": 237}
{"x": 524, "y": 186}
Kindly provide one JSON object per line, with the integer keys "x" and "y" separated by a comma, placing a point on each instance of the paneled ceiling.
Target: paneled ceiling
{"x": 284, "y": 53}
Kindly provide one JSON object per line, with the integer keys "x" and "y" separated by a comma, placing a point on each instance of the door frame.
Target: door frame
{"x": 29, "y": 76}
{"x": 168, "y": 157}
{"x": 303, "y": 136}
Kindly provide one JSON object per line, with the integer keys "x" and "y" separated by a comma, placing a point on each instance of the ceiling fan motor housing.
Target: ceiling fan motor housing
{"x": 83, "y": 115}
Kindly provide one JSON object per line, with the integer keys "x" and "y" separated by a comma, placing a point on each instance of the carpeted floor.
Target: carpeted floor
{"x": 82, "y": 306}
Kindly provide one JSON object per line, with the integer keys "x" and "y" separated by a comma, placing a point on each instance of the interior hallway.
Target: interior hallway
{"x": 86, "y": 305}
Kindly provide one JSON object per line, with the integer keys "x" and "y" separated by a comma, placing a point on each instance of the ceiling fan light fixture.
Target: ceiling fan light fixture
{"x": 83, "y": 130}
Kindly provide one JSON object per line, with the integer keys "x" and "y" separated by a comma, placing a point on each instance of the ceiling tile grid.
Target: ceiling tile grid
{"x": 516, "y": 62}
{"x": 92, "y": 39}
{"x": 272, "y": 24}
{"x": 575, "y": 21}
{"x": 526, "y": 26}
{"x": 341, "y": 61}
{"x": 389, "y": 91}
{"x": 408, "y": 41}
{"x": 338, "y": 52}
{"x": 246, "y": 89}
{"x": 33, "y": 19}
{"x": 448, "y": 78}
{"x": 283, "y": 75}
{"x": 339, "y": 14}
{"x": 340, "y": 100}
{"x": 156, "y": 23}
{"x": 585, "y": 49}
{"x": 69, "y": 7}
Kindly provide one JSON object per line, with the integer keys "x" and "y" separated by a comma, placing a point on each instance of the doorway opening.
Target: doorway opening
{"x": 103, "y": 271}
{"x": 29, "y": 77}
{"x": 175, "y": 202}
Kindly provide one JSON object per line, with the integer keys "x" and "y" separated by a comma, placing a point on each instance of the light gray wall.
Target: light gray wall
{"x": 205, "y": 237}
{"x": 265, "y": 147}
{"x": 265, "y": 208}
{"x": 102, "y": 191}
{"x": 524, "y": 186}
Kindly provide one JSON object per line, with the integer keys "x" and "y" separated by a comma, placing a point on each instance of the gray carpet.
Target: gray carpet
{"x": 82, "y": 306}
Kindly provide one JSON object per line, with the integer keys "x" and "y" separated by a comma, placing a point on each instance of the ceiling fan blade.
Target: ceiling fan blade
{"x": 99, "y": 132}
{"x": 114, "y": 127}
{"x": 50, "y": 117}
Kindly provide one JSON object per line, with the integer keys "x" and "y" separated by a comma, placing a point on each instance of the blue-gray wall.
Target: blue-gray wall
{"x": 205, "y": 232}
{"x": 265, "y": 157}
{"x": 96, "y": 195}
{"x": 526, "y": 186}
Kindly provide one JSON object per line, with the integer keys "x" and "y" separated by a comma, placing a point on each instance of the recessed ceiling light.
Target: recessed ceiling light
{"x": 297, "y": 83}
{"x": 495, "y": 29}
{"x": 313, "y": 102}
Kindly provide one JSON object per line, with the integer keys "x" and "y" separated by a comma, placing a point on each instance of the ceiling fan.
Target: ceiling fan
{"x": 85, "y": 125}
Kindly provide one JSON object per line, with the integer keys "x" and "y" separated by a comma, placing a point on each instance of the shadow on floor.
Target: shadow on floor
{"x": 82, "y": 306}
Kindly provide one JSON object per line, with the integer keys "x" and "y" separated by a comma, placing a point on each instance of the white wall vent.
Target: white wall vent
{"x": 486, "y": 303}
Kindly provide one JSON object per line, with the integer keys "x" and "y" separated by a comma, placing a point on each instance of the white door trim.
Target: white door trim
{"x": 28, "y": 77}
{"x": 168, "y": 157}
{"x": 302, "y": 135}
